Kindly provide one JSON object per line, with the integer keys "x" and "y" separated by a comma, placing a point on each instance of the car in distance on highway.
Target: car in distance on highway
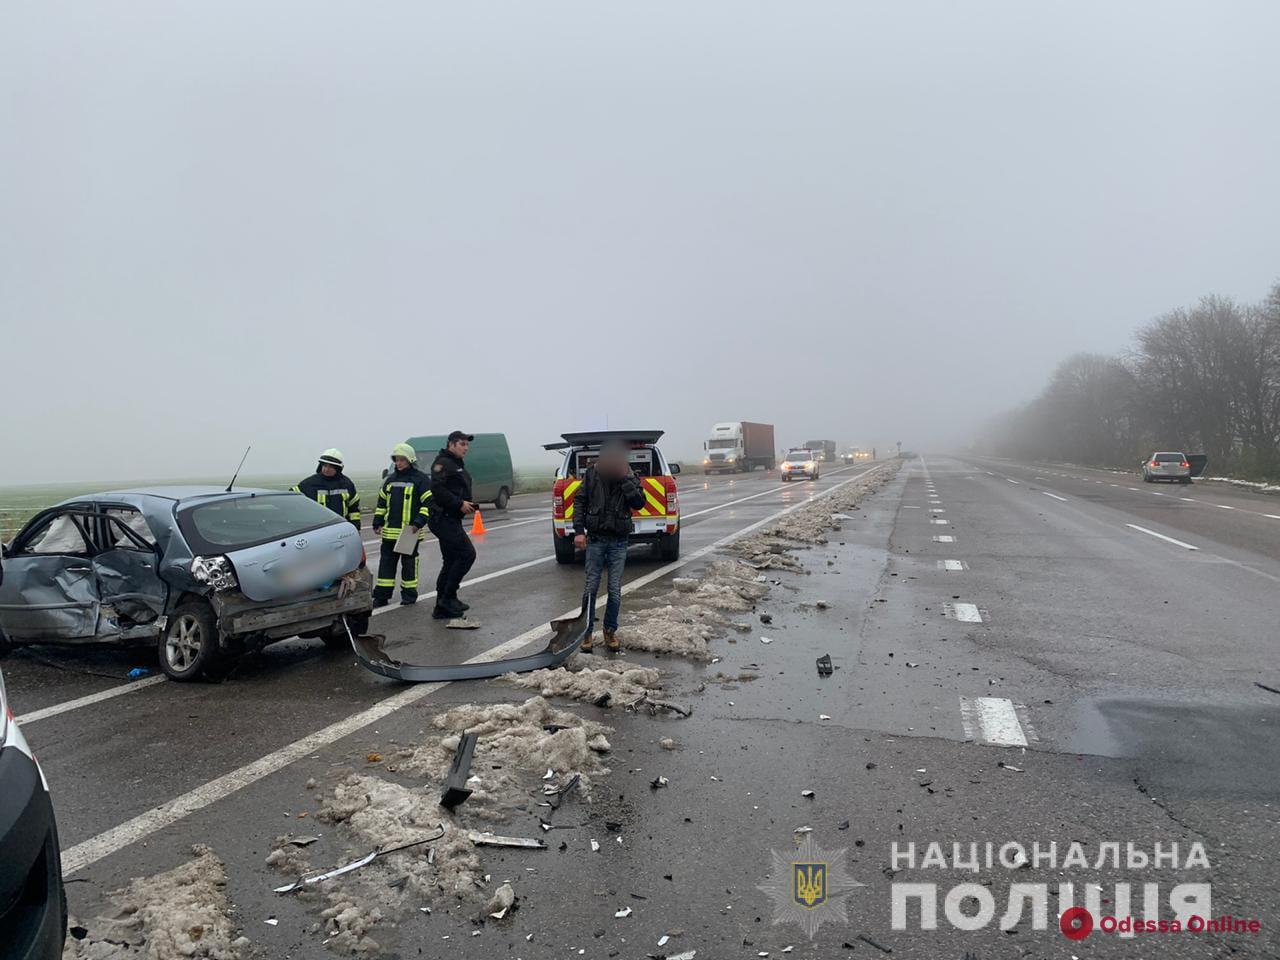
{"x": 204, "y": 573}
{"x": 800, "y": 464}
{"x": 1174, "y": 467}
{"x": 33, "y": 904}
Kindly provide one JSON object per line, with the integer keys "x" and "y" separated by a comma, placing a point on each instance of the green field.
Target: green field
{"x": 19, "y": 504}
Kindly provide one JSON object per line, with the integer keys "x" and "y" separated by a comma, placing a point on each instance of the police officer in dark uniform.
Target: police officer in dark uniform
{"x": 450, "y": 502}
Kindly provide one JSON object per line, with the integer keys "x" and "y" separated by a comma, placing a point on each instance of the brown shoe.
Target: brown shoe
{"x": 587, "y": 644}
{"x": 611, "y": 641}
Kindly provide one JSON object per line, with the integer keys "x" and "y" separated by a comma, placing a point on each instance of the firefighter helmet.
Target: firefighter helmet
{"x": 406, "y": 451}
{"x": 333, "y": 457}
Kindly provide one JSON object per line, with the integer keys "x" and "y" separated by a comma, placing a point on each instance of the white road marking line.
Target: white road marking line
{"x": 1223, "y": 506}
{"x": 144, "y": 825}
{"x": 1041, "y": 478}
{"x": 1054, "y": 495}
{"x": 92, "y": 698}
{"x": 1134, "y": 489}
{"x": 1272, "y": 516}
{"x": 964, "y": 612}
{"x": 1154, "y": 494}
{"x": 1115, "y": 484}
{"x": 937, "y": 510}
{"x": 952, "y": 565}
{"x": 938, "y": 520}
{"x": 1011, "y": 480}
{"x": 991, "y": 720}
{"x": 944, "y": 539}
{"x": 909, "y": 507}
{"x": 1189, "y": 499}
{"x": 1161, "y": 536}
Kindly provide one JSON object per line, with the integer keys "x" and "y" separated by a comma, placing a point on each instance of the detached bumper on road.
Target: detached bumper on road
{"x": 31, "y": 903}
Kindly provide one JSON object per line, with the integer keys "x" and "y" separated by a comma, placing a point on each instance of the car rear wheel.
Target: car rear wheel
{"x": 188, "y": 647}
{"x": 503, "y": 496}
{"x": 564, "y": 548}
{"x": 669, "y": 546}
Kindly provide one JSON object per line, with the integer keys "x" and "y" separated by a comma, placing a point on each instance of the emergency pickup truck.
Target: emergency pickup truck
{"x": 657, "y": 522}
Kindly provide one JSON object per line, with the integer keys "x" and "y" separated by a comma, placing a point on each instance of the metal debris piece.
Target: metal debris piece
{"x": 493, "y": 840}
{"x": 455, "y": 785}
{"x": 620, "y": 914}
{"x": 557, "y": 794}
{"x": 658, "y": 782}
{"x": 1010, "y": 767}
{"x": 460, "y": 624}
{"x": 807, "y": 794}
{"x": 567, "y": 635}
{"x": 356, "y": 864}
{"x": 825, "y": 667}
{"x": 301, "y": 841}
{"x": 867, "y": 940}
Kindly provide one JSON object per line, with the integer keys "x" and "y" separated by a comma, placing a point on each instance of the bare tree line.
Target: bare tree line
{"x": 1200, "y": 379}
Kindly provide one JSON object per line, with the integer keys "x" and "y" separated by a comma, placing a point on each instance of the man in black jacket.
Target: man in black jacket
{"x": 332, "y": 488}
{"x": 450, "y": 502}
{"x": 602, "y": 524}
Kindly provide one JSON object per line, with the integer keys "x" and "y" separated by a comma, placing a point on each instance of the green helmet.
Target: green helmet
{"x": 333, "y": 457}
{"x": 406, "y": 451}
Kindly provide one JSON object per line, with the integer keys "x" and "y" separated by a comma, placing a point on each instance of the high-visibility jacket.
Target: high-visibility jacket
{"x": 404, "y": 499}
{"x": 337, "y": 493}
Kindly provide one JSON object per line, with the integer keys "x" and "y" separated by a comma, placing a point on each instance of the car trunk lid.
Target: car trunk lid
{"x": 293, "y": 565}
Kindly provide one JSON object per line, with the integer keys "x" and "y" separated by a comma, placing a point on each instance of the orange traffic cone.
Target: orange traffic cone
{"x": 477, "y": 526}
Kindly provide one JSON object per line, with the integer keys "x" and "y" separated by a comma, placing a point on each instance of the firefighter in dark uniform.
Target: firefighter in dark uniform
{"x": 450, "y": 502}
{"x": 332, "y": 488}
{"x": 404, "y": 500}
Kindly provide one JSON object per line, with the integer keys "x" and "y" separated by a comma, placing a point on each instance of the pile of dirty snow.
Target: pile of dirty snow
{"x": 516, "y": 741}
{"x": 594, "y": 680}
{"x": 808, "y": 526}
{"x": 180, "y": 913}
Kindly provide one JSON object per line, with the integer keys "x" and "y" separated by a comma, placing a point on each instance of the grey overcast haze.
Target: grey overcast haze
{"x": 303, "y": 225}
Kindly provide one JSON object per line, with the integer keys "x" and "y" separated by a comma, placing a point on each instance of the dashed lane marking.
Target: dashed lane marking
{"x": 944, "y": 539}
{"x": 1161, "y": 536}
{"x": 953, "y": 565}
{"x": 964, "y": 612}
{"x": 992, "y": 720}
{"x": 1054, "y": 495}
{"x": 1011, "y": 480}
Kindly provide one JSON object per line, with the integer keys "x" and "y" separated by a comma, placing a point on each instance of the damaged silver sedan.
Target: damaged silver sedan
{"x": 205, "y": 574}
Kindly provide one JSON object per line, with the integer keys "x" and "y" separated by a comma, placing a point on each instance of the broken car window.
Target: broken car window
{"x": 135, "y": 522}
{"x": 60, "y": 535}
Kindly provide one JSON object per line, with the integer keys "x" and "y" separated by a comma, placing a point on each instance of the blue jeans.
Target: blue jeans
{"x": 605, "y": 552}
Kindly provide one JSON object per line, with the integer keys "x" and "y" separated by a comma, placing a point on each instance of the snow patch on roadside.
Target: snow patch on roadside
{"x": 513, "y": 744}
{"x": 604, "y": 684}
{"x": 180, "y": 913}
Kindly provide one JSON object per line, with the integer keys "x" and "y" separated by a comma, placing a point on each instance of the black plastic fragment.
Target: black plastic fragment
{"x": 825, "y": 669}
{"x": 455, "y": 785}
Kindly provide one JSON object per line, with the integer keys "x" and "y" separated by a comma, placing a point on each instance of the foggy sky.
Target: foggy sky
{"x": 314, "y": 224}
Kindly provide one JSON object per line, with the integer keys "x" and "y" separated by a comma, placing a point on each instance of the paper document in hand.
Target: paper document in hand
{"x": 407, "y": 541}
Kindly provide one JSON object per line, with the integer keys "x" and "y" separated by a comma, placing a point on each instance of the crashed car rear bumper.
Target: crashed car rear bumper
{"x": 276, "y": 619}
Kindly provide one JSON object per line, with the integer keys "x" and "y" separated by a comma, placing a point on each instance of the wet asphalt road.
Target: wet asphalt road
{"x": 1127, "y": 662}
